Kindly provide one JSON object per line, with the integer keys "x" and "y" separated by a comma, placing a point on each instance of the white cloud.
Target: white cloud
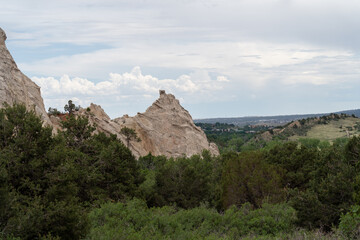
{"x": 198, "y": 81}
{"x": 125, "y": 86}
{"x": 76, "y": 86}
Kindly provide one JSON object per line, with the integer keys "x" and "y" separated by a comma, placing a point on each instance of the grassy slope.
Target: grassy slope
{"x": 334, "y": 129}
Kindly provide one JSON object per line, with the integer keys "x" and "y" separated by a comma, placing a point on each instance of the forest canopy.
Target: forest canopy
{"x": 84, "y": 185}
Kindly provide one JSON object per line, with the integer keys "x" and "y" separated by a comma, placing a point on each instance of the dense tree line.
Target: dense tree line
{"x": 81, "y": 185}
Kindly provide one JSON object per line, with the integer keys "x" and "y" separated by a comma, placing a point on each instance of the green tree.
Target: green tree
{"x": 297, "y": 161}
{"x": 130, "y": 135}
{"x": 71, "y": 107}
{"x": 48, "y": 182}
{"x": 184, "y": 181}
{"x": 77, "y": 130}
{"x": 27, "y": 179}
{"x": 329, "y": 192}
{"x": 248, "y": 178}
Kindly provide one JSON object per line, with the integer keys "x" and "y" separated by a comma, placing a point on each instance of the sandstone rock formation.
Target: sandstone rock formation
{"x": 15, "y": 87}
{"x": 165, "y": 128}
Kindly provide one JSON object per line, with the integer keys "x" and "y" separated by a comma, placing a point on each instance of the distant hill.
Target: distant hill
{"x": 270, "y": 120}
{"x": 324, "y": 128}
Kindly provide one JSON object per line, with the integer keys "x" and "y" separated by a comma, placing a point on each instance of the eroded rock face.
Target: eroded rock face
{"x": 15, "y": 87}
{"x": 166, "y": 128}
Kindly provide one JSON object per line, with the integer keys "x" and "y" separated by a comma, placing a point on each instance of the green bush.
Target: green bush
{"x": 350, "y": 223}
{"x": 134, "y": 220}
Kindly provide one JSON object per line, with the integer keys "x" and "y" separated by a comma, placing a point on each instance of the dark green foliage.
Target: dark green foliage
{"x": 151, "y": 162}
{"x": 184, "y": 181}
{"x": 29, "y": 211}
{"x": 329, "y": 192}
{"x": 353, "y": 152}
{"x": 119, "y": 171}
{"x": 321, "y": 181}
{"x": 76, "y": 131}
{"x": 47, "y": 183}
{"x": 309, "y": 209}
{"x": 297, "y": 161}
{"x": 248, "y": 178}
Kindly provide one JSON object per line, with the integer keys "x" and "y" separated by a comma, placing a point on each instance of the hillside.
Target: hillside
{"x": 343, "y": 128}
{"x": 325, "y": 128}
{"x": 328, "y": 128}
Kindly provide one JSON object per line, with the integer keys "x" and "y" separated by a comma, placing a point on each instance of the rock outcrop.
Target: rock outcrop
{"x": 165, "y": 128}
{"x": 15, "y": 87}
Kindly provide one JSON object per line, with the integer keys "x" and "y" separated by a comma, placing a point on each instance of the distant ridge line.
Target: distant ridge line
{"x": 270, "y": 120}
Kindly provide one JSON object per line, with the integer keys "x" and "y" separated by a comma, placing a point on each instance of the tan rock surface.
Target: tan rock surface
{"x": 15, "y": 87}
{"x": 166, "y": 128}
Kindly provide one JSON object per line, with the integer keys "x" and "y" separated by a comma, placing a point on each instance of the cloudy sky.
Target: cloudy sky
{"x": 221, "y": 58}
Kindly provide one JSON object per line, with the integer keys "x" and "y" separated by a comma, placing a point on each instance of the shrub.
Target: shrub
{"x": 350, "y": 223}
{"x": 133, "y": 220}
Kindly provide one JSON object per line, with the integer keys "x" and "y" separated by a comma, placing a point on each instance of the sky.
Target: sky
{"x": 220, "y": 58}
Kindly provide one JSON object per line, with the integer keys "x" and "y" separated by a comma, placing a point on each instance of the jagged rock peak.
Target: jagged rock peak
{"x": 165, "y": 102}
{"x": 166, "y": 128}
{"x": 15, "y": 87}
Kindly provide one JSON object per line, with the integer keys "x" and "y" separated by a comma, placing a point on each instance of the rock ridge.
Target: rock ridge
{"x": 165, "y": 128}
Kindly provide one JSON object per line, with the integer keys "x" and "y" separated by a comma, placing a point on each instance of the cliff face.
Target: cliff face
{"x": 166, "y": 128}
{"x": 15, "y": 87}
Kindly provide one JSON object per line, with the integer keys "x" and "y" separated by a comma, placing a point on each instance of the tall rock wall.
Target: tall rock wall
{"x": 15, "y": 87}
